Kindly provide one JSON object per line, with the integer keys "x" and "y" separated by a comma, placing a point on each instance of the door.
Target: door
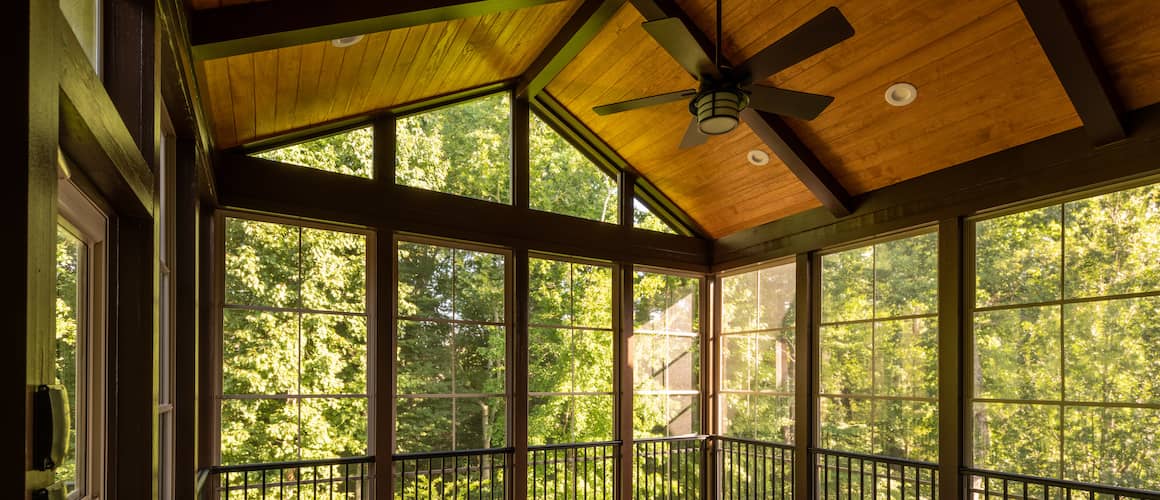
{"x": 79, "y": 339}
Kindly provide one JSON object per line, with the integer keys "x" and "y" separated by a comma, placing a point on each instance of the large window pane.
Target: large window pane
{"x": 564, "y": 181}
{"x": 1112, "y": 446}
{"x": 1019, "y": 438}
{"x": 294, "y": 343}
{"x": 666, "y": 353}
{"x": 570, "y": 352}
{"x": 1112, "y": 350}
{"x": 462, "y": 149}
{"x": 1113, "y": 243}
{"x": 878, "y": 372}
{"x": 350, "y": 153}
{"x": 1017, "y": 258}
{"x": 451, "y": 348}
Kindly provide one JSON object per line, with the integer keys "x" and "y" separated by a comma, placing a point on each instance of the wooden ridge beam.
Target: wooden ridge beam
{"x": 253, "y": 27}
{"x": 1057, "y": 25}
{"x": 588, "y": 20}
{"x": 781, "y": 139}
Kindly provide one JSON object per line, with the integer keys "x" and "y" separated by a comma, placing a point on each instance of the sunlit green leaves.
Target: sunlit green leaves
{"x": 564, "y": 181}
{"x": 666, "y": 354}
{"x": 350, "y": 153}
{"x": 1017, "y": 258}
{"x": 1112, "y": 351}
{"x": 1019, "y": 438}
{"x": 1113, "y": 243}
{"x": 462, "y": 149}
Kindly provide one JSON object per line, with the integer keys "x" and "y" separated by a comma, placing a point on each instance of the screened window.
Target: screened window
{"x": 879, "y": 349}
{"x": 1067, "y": 340}
{"x": 666, "y": 352}
{"x": 350, "y": 153}
{"x": 570, "y": 373}
{"x": 564, "y": 181}
{"x": 462, "y": 149}
{"x": 451, "y": 339}
{"x": 758, "y": 354}
{"x": 294, "y": 343}
{"x": 643, "y": 217}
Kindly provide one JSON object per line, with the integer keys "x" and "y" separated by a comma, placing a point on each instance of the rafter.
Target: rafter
{"x": 771, "y": 129}
{"x": 258, "y": 26}
{"x": 1056, "y": 24}
{"x": 588, "y": 20}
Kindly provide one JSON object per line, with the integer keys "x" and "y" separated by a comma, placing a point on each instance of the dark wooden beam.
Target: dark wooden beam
{"x": 806, "y": 309}
{"x": 953, "y": 449}
{"x": 94, "y": 135}
{"x": 1058, "y": 27}
{"x": 782, "y": 140}
{"x": 1053, "y": 166}
{"x": 588, "y": 20}
{"x": 800, "y": 160}
{"x": 179, "y": 90}
{"x": 258, "y": 26}
{"x": 250, "y": 183}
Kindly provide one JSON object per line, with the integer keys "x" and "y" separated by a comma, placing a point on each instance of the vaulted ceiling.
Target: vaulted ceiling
{"x": 985, "y": 84}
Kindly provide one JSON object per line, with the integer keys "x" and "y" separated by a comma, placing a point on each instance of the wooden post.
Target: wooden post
{"x": 806, "y": 308}
{"x": 952, "y": 442}
{"x": 381, "y": 271}
{"x": 521, "y": 162}
{"x": 622, "y": 295}
{"x": 519, "y": 372}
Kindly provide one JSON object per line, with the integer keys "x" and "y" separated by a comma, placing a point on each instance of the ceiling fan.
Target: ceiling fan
{"x": 725, "y": 91}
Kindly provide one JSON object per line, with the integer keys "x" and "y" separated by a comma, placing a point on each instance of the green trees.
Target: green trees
{"x": 1067, "y": 340}
{"x": 70, "y": 256}
{"x": 350, "y": 153}
{"x": 666, "y": 355}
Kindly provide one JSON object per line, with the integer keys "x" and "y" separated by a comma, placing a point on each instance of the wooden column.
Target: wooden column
{"x": 521, "y": 163}
{"x": 131, "y": 70}
{"x": 519, "y": 374}
{"x": 622, "y": 295}
{"x": 209, "y": 322}
{"x": 187, "y": 324}
{"x": 384, "y": 149}
{"x": 952, "y": 441}
{"x": 806, "y": 308}
{"x": 381, "y": 273}
{"x": 710, "y": 311}
{"x": 28, "y": 198}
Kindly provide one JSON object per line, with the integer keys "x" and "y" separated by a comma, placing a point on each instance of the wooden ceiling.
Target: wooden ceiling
{"x": 984, "y": 82}
{"x": 268, "y": 93}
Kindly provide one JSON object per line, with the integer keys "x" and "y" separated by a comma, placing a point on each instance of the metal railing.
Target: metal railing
{"x": 988, "y": 485}
{"x": 573, "y": 471}
{"x": 331, "y": 479}
{"x": 464, "y": 474}
{"x": 854, "y": 475}
{"x": 749, "y": 469}
{"x": 670, "y": 468}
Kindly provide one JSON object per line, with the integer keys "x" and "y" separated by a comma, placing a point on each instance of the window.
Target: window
{"x": 758, "y": 354}
{"x": 294, "y": 343}
{"x": 1067, "y": 338}
{"x": 350, "y": 153}
{"x": 879, "y": 349}
{"x": 643, "y": 217}
{"x": 80, "y": 339}
{"x": 667, "y": 352}
{"x": 564, "y": 181}
{"x": 462, "y": 149}
{"x": 571, "y": 340}
{"x": 451, "y": 348}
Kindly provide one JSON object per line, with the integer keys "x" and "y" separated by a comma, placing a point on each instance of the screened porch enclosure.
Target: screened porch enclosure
{"x": 1008, "y": 354}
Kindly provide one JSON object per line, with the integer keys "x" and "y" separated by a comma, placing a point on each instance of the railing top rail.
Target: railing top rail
{"x": 449, "y": 454}
{"x": 690, "y": 437}
{"x": 758, "y": 442}
{"x": 1063, "y": 483}
{"x": 570, "y": 446}
{"x": 875, "y": 458}
{"x": 217, "y": 469}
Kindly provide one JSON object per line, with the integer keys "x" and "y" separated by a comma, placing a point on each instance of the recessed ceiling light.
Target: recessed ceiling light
{"x": 346, "y": 41}
{"x": 757, "y": 157}
{"x": 901, "y": 94}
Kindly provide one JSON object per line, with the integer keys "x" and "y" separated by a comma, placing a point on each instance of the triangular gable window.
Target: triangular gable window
{"x": 564, "y": 181}
{"x": 643, "y": 217}
{"x": 349, "y": 153}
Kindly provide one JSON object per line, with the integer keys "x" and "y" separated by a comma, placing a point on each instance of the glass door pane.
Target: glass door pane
{"x": 70, "y": 350}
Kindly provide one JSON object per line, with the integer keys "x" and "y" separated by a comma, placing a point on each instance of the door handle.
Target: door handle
{"x": 50, "y": 426}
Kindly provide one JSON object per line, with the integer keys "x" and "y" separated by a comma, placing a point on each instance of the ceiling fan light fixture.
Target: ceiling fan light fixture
{"x": 717, "y": 110}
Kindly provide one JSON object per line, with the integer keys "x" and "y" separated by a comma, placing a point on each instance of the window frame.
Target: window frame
{"x": 719, "y": 339}
{"x": 509, "y": 325}
{"x": 216, "y": 375}
{"x": 970, "y": 308}
{"x": 817, "y": 324}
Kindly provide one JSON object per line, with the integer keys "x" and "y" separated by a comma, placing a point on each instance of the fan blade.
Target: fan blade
{"x": 801, "y": 105}
{"x": 680, "y": 43}
{"x": 693, "y": 136}
{"x": 643, "y": 102}
{"x": 818, "y": 34}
